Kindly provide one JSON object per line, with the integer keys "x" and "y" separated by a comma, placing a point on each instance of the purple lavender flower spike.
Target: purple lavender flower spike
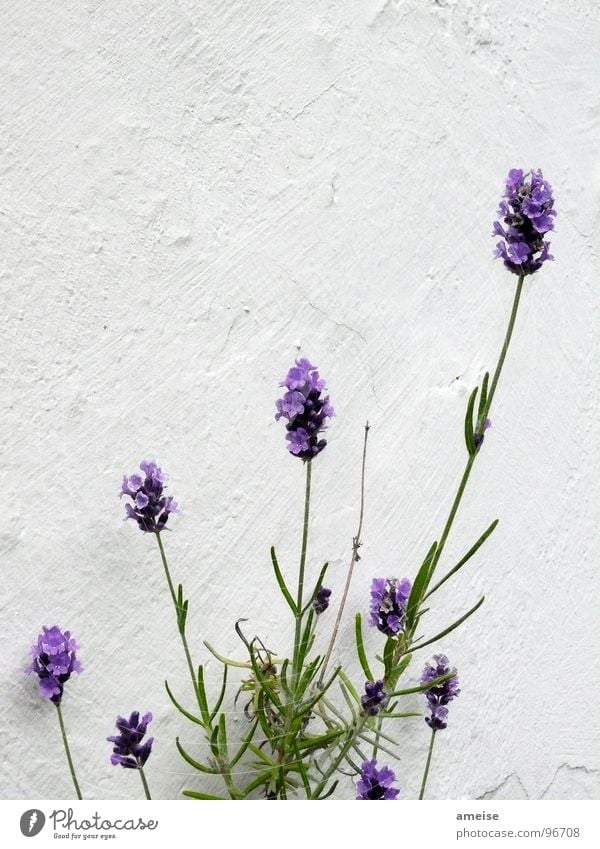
{"x": 438, "y": 697}
{"x": 305, "y": 410}
{"x": 375, "y": 783}
{"x": 527, "y": 213}
{"x": 150, "y": 507}
{"x": 320, "y": 602}
{"x": 375, "y": 698}
{"x": 388, "y": 604}
{"x": 129, "y": 751}
{"x": 54, "y": 661}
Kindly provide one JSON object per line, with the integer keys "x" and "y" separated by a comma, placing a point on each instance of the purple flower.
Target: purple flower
{"x": 54, "y": 661}
{"x": 320, "y": 602}
{"x": 438, "y": 697}
{"x": 305, "y": 409}
{"x": 150, "y": 507}
{"x": 388, "y": 604}
{"x": 478, "y": 437}
{"x": 375, "y": 698}
{"x": 527, "y": 213}
{"x": 375, "y": 783}
{"x": 129, "y": 751}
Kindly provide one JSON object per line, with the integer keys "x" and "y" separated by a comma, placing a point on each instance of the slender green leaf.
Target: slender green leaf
{"x": 222, "y": 737}
{"x": 245, "y": 743}
{"x": 193, "y": 794}
{"x": 380, "y": 745}
{"x": 306, "y": 641}
{"x": 360, "y": 648}
{"x": 388, "y": 657}
{"x": 303, "y": 771}
{"x": 193, "y": 762}
{"x": 398, "y": 715}
{"x": 284, "y": 679}
{"x": 469, "y": 423}
{"x": 318, "y": 586}
{"x": 202, "y": 701}
{"x": 214, "y": 742}
{"x": 474, "y": 548}
{"x": 221, "y": 694}
{"x": 262, "y": 755}
{"x": 348, "y": 700}
{"x": 237, "y": 663}
{"x": 330, "y": 791}
{"x": 262, "y": 778}
{"x": 181, "y": 709}
{"x": 320, "y": 742}
{"x": 329, "y": 722}
{"x": 307, "y": 708}
{"x": 380, "y": 733}
{"x": 422, "y": 687}
{"x": 181, "y": 607}
{"x": 361, "y": 754}
{"x": 451, "y": 627}
{"x": 418, "y": 587}
{"x": 308, "y": 676}
{"x": 483, "y": 396}
{"x": 351, "y": 688}
{"x": 262, "y": 719}
{"x": 282, "y": 585}
{"x": 402, "y": 666}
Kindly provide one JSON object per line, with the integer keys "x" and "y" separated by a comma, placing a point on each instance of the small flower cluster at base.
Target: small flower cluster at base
{"x": 150, "y": 507}
{"x": 478, "y": 437}
{"x": 527, "y": 214}
{"x": 305, "y": 409}
{"x": 442, "y": 694}
{"x": 375, "y": 698}
{"x": 375, "y": 783}
{"x": 320, "y": 602}
{"x": 388, "y": 604}
{"x": 129, "y": 751}
{"x": 54, "y": 661}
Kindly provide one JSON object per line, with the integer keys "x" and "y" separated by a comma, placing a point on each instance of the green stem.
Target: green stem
{"x": 503, "y": 352}
{"x": 300, "y": 594}
{"x": 224, "y": 767}
{"x": 356, "y": 543}
{"x": 68, "y": 751}
{"x": 184, "y": 641}
{"x": 427, "y": 765}
{"x": 479, "y": 429}
{"x": 479, "y": 432}
{"x": 145, "y": 783}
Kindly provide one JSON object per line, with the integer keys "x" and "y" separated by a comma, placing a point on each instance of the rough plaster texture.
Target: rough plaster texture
{"x": 193, "y": 192}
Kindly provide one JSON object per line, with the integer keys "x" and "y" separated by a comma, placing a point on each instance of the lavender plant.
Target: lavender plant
{"x": 311, "y": 724}
{"x": 308, "y": 725}
{"x": 54, "y": 660}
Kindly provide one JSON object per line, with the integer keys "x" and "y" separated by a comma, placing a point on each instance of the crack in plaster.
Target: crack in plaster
{"x": 314, "y": 99}
{"x": 490, "y": 794}
{"x": 338, "y": 323}
{"x": 580, "y": 768}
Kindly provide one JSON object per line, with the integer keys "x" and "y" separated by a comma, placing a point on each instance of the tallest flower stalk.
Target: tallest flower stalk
{"x": 306, "y": 410}
{"x": 527, "y": 207}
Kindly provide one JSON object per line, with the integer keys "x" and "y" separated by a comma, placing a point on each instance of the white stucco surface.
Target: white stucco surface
{"x": 194, "y": 192}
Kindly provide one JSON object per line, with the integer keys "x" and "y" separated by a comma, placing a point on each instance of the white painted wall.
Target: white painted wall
{"x": 191, "y": 193}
